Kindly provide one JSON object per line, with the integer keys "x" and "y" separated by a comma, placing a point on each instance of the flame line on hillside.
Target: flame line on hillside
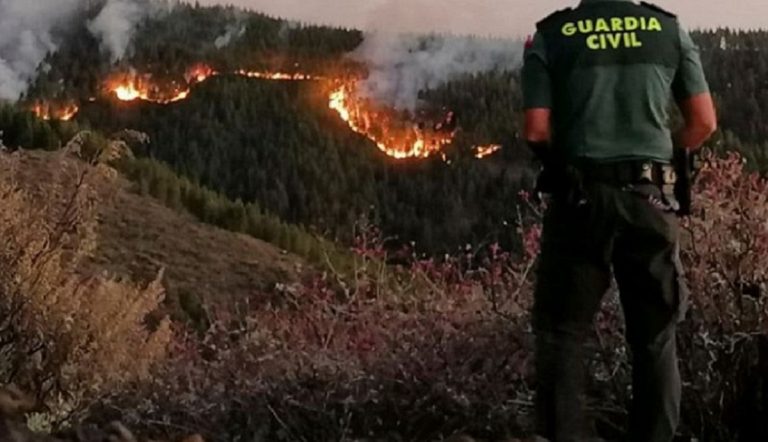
{"x": 414, "y": 143}
{"x": 397, "y": 137}
{"x": 51, "y": 111}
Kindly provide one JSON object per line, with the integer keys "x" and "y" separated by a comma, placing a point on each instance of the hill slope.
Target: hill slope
{"x": 137, "y": 236}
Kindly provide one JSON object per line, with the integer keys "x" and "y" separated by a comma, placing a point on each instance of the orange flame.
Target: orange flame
{"x": 486, "y": 151}
{"x": 394, "y": 135}
{"x": 127, "y": 92}
{"x": 199, "y": 73}
{"x": 132, "y": 87}
{"x": 278, "y": 76}
{"x": 52, "y": 111}
{"x": 393, "y": 139}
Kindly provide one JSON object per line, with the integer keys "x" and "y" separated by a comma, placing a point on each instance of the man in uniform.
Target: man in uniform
{"x": 598, "y": 80}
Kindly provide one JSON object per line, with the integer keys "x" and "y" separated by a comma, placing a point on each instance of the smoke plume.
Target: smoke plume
{"x": 402, "y": 65}
{"x": 233, "y": 32}
{"x": 402, "y": 62}
{"x": 28, "y": 31}
{"x": 115, "y": 23}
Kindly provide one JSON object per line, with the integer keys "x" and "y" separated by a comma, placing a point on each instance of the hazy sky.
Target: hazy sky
{"x": 496, "y": 17}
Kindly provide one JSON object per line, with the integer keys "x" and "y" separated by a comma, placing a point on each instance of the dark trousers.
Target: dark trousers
{"x": 627, "y": 232}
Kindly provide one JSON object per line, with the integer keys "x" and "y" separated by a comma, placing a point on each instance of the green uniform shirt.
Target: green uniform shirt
{"x": 608, "y": 69}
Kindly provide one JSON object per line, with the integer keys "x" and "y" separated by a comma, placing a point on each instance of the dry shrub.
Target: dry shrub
{"x": 418, "y": 351}
{"x": 725, "y": 339}
{"x": 429, "y": 348}
{"x": 67, "y": 337}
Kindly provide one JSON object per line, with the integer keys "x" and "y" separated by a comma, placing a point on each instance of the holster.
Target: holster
{"x": 685, "y": 164}
{"x": 630, "y": 174}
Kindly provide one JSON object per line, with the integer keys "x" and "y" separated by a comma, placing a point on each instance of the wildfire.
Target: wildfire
{"x": 127, "y": 92}
{"x": 393, "y": 133}
{"x": 199, "y": 73}
{"x": 486, "y": 151}
{"x": 131, "y": 87}
{"x": 397, "y": 140}
{"x": 51, "y": 111}
{"x": 277, "y": 76}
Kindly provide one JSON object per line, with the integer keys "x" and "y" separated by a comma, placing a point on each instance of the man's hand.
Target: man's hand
{"x": 562, "y": 181}
{"x": 557, "y": 178}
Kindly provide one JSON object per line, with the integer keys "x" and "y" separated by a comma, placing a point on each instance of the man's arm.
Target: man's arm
{"x": 700, "y": 121}
{"x": 692, "y": 94}
{"x": 538, "y": 134}
{"x": 537, "y": 97}
{"x": 557, "y": 178}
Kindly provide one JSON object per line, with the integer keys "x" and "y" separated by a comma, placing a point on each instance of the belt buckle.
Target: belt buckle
{"x": 668, "y": 175}
{"x": 646, "y": 173}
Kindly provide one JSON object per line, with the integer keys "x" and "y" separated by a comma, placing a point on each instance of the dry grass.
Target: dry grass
{"x": 420, "y": 352}
{"x": 67, "y": 336}
{"x": 138, "y": 236}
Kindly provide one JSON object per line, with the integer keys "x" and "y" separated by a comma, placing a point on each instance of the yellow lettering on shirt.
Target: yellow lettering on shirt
{"x": 614, "y": 40}
{"x": 602, "y": 25}
{"x": 585, "y": 26}
{"x": 593, "y": 42}
{"x": 631, "y": 24}
{"x": 654, "y": 24}
{"x": 612, "y": 32}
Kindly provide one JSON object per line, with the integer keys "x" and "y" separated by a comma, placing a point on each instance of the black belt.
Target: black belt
{"x": 621, "y": 173}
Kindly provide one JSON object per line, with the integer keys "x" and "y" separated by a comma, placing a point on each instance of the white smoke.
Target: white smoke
{"x": 232, "y": 33}
{"x": 31, "y": 29}
{"x": 116, "y": 22}
{"x": 27, "y": 34}
{"x": 402, "y": 65}
{"x": 402, "y": 61}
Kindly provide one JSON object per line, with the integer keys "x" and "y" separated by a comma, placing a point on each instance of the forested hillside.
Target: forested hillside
{"x": 276, "y": 143}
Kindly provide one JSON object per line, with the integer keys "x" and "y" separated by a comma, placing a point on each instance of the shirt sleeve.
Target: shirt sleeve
{"x": 537, "y": 83}
{"x": 690, "y": 79}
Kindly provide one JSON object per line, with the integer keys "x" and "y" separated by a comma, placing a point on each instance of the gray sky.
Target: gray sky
{"x": 486, "y": 17}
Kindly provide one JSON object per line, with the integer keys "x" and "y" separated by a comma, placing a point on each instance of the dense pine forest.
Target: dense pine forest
{"x": 278, "y": 145}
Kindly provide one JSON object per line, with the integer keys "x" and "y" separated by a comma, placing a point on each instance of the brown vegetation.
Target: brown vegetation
{"x": 65, "y": 336}
{"x": 15, "y": 404}
{"x": 422, "y": 351}
{"x": 137, "y": 236}
{"x": 440, "y": 348}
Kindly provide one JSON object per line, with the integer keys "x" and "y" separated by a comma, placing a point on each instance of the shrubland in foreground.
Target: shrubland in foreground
{"x": 401, "y": 348}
